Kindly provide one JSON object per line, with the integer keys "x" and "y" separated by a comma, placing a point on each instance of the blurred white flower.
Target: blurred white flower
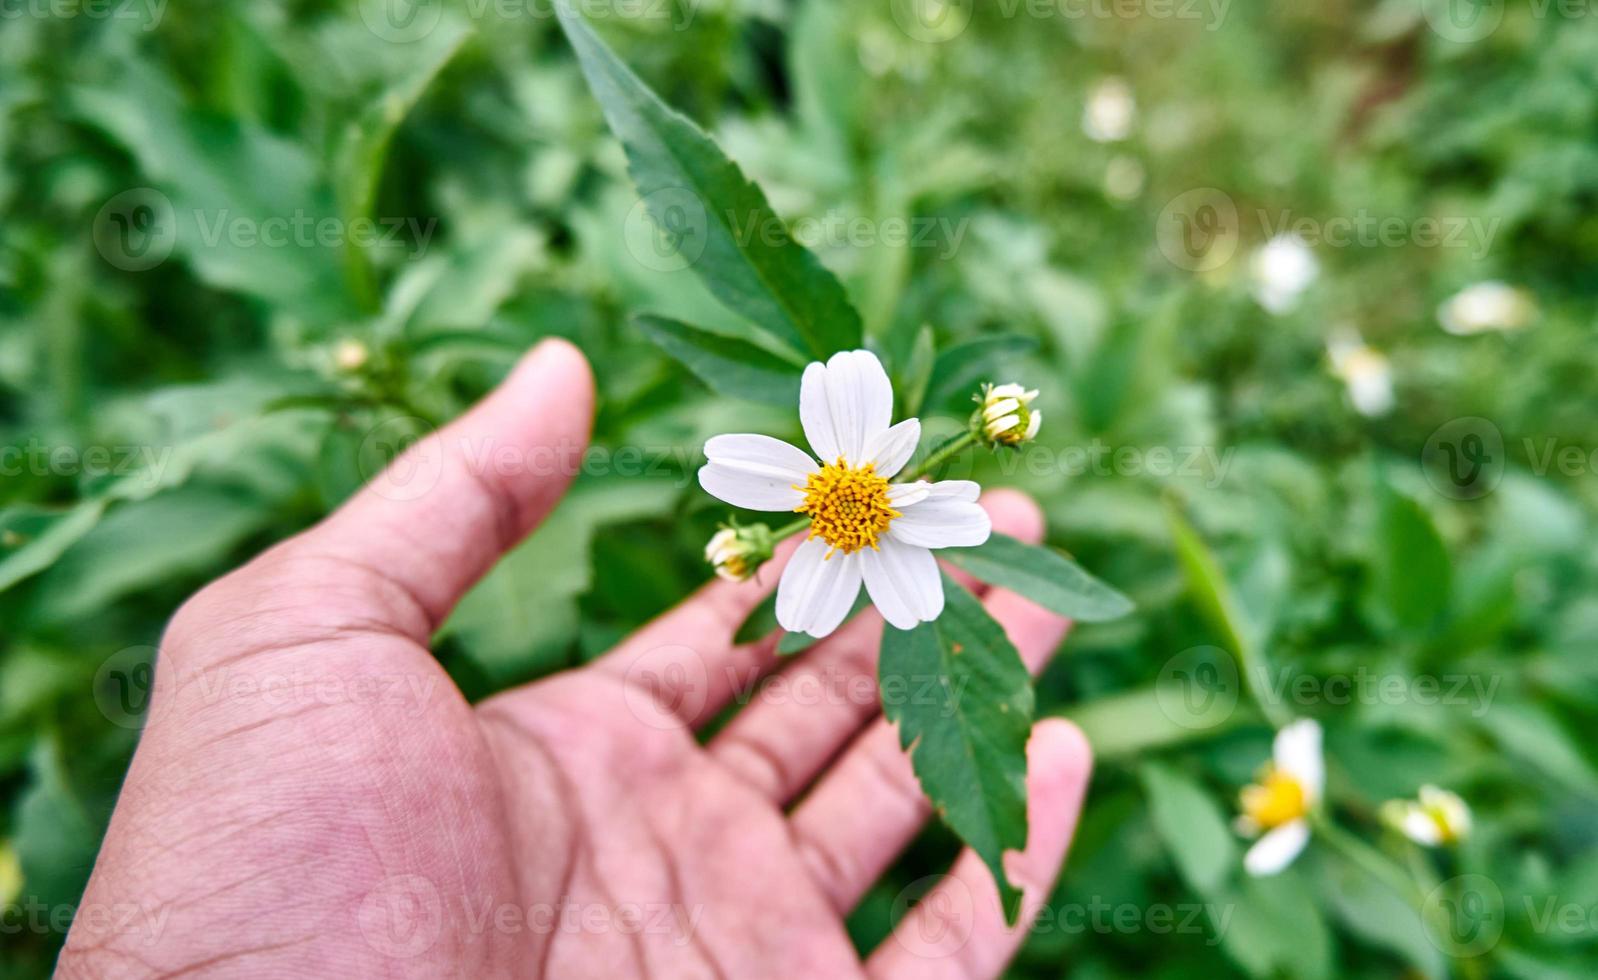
{"x": 1110, "y": 111}
{"x": 1487, "y": 306}
{"x": 1364, "y": 370}
{"x": 1282, "y": 269}
{"x": 1439, "y": 817}
{"x": 1278, "y": 807}
{"x": 350, "y": 355}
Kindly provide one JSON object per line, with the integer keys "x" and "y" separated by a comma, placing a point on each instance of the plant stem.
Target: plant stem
{"x": 788, "y": 530}
{"x": 939, "y": 456}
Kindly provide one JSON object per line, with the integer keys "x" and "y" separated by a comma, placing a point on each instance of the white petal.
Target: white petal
{"x": 967, "y": 490}
{"x": 845, "y": 404}
{"x": 1277, "y": 849}
{"x": 755, "y": 472}
{"x": 1297, "y": 752}
{"x": 1419, "y": 827}
{"x": 903, "y": 582}
{"x": 1000, "y": 408}
{"x": 893, "y": 447}
{"x": 817, "y": 592}
{"x": 941, "y": 523}
{"x": 902, "y": 495}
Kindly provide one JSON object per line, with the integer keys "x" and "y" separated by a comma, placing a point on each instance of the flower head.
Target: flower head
{"x": 864, "y": 528}
{"x": 1006, "y": 416}
{"x": 1277, "y": 808}
{"x": 1437, "y": 818}
{"x": 1283, "y": 268}
{"x": 1110, "y": 111}
{"x": 1365, "y": 371}
{"x": 736, "y": 552}
{"x": 1487, "y": 306}
{"x": 350, "y": 355}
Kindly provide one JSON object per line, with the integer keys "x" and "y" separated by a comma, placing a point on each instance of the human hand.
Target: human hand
{"x": 368, "y": 821}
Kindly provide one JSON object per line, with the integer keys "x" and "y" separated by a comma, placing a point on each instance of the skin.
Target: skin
{"x": 313, "y": 797}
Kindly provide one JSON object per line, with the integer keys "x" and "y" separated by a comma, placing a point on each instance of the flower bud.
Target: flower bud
{"x": 1437, "y": 818}
{"x": 1006, "y": 417}
{"x": 737, "y": 552}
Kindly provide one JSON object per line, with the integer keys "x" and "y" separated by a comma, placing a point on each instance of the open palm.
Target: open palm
{"x": 313, "y": 797}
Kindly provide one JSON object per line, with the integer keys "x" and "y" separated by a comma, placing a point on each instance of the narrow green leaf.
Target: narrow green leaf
{"x": 719, "y": 221}
{"x": 1206, "y": 581}
{"x": 917, "y": 373}
{"x": 1043, "y": 575}
{"x": 730, "y": 367}
{"x": 963, "y": 702}
{"x": 1128, "y": 724}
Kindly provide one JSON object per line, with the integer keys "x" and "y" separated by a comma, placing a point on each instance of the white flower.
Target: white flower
{"x": 1277, "y": 808}
{"x": 1364, "y": 371}
{"x": 862, "y": 527}
{"x": 1487, "y": 306}
{"x": 350, "y": 355}
{"x": 1007, "y": 416}
{"x": 1107, "y": 117}
{"x": 1438, "y": 817}
{"x": 1283, "y": 268}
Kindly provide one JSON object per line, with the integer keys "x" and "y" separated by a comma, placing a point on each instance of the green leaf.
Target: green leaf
{"x": 1411, "y": 574}
{"x": 963, "y": 702}
{"x": 55, "y": 834}
{"x": 520, "y": 620}
{"x": 1193, "y": 827}
{"x": 1043, "y": 575}
{"x": 917, "y": 373}
{"x": 1207, "y": 582}
{"x": 960, "y": 368}
{"x": 760, "y": 623}
{"x": 720, "y": 221}
{"x": 1380, "y": 915}
{"x": 735, "y": 368}
{"x": 1128, "y": 724}
{"x": 1276, "y": 929}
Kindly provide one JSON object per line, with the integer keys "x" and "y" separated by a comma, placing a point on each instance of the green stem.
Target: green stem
{"x": 1360, "y": 853}
{"x": 788, "y": 530}
{"x": 939, "y": 456}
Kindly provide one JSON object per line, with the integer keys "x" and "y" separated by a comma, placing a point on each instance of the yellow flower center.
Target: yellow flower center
{"x": 1277, "y": 799}
{"x": 848, "y": 507}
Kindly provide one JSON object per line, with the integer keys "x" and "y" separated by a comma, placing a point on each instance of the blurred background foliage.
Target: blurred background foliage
{"x": 237, "y": 391}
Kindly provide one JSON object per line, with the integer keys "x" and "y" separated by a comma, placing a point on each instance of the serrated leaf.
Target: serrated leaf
{"x": 963, "y": 701}
{"x": 731, "y": 367}
{"x": 1043, "y": 575}
{"x": 730, "y": 236}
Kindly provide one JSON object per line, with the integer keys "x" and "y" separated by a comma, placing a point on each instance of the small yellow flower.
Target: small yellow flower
{"x": 1006, "y": 417}
{"x": 737, "y": 552}
{"x": 1438, "y": 818}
